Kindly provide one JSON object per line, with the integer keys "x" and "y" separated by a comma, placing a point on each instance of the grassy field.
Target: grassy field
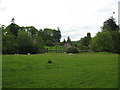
{"x": 83, "y": 70}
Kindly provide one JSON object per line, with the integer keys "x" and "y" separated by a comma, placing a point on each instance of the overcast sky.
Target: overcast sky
{"x": 74, "y": 17}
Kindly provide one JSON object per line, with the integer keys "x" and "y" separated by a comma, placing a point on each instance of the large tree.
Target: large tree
{"x": 50, "y": 36}
{"x": 108, "y": 39}
{"x": 110, "y": 25}
{"x": 25, "y": 43}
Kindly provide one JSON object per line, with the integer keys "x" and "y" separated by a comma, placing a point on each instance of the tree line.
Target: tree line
{"x": 108, "y": 39}
{"x": 16, "y": 39}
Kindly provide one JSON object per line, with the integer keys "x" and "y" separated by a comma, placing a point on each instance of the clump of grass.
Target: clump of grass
{"x": 49, "y": 61}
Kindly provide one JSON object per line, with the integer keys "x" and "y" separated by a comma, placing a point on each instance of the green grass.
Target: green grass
{"x": 54, "y": 47}
{"x": 83, "y": 70}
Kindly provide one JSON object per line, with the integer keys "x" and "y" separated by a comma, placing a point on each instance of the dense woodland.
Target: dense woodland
{"x": 23, "y": 40}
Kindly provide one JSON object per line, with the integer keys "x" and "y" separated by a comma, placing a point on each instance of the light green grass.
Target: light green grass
{"x": 83, "y": 70}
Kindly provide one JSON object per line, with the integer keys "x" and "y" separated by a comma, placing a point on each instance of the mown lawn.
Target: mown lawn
{"x": 83, "y": 70}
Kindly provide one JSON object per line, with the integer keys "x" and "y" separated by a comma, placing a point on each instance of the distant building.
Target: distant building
{"x": 119, "y": 13}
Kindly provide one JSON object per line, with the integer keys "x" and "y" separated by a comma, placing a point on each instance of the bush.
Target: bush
{"x": 102, "y": 42}
{"x": 72, "y": 50}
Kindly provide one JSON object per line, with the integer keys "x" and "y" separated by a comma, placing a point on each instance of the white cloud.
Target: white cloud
{"x": 74, "y": 17}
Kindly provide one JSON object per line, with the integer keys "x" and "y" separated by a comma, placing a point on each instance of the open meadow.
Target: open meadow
{"x": 83, "y": 70}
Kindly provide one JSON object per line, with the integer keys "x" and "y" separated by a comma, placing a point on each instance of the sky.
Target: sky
{"x": 74, "y": 17}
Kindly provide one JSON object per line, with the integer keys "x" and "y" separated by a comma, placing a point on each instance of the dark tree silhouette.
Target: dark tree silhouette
{"x": 110, "y": 25}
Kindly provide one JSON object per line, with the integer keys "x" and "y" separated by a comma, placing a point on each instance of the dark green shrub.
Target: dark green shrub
{"x": 72, "y": 50}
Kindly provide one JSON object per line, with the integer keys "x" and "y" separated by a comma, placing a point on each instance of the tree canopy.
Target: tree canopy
{"x": 28, "y": 39}
{"x": 110, "y": 25}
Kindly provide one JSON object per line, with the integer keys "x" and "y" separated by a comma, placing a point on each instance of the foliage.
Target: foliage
{"x": 116, "y": 41}
{"x": 72, "y": 50}
{"x": 56, "y": 35}
{"x": 51, "y": 37}
{"x": 12, "y": 29}
{"x": 68, "y": 40}
{"x": 9, "y": 45}
{"x": 102, "y": 42}
{"x": 39, "y": 43}
{"x": 28, "y": 39}
{"x": 108, "y": 39}
{"x": 31, "y": 30}
{"x": 110, "y": 25}
{"x": 25, "y": 43}
{"x": 76, "y": 43}
{"x": 82, "y": 47}
{"x": 49, "y": 43}
{"x": 84, "y": 42}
